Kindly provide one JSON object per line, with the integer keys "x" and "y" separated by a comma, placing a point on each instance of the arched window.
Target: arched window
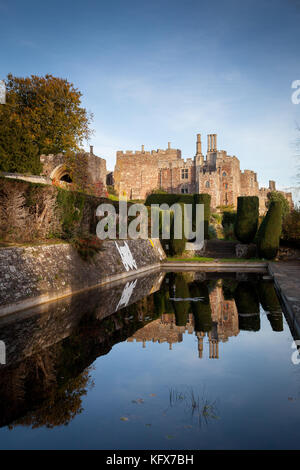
{"x": 224, "y": 173}
{"x": 207, "y": 184}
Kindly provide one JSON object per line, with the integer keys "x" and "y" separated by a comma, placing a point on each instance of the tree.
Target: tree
{"x": 277, "y": 196}
{"x": 42, "y": 115}
{"x": 247, "y": 218}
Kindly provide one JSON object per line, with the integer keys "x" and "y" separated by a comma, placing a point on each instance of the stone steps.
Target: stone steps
{"x": 220, "y": 249}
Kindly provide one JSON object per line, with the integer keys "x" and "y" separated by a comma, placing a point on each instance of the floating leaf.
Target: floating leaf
{"x": 123, "y": 418}
{"x": 170, "y": 436}
{"x": 148, "y": 425}
{"x": 152, "y": 395}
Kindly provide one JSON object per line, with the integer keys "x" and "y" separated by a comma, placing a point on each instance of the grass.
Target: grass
{"x": 194, "y": 258}
{"x": 220, "y": 260}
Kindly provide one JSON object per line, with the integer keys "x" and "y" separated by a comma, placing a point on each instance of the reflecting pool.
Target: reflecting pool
{"x": 189, "y": 360}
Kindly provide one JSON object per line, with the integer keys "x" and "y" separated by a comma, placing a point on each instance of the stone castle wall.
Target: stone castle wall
{"x": 139, "y": 173}
{"x": 55, "y": 168}
{"x": 33, "y": 275}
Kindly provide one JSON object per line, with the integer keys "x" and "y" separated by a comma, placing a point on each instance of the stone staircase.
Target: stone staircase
{"x": 219, "y": 249}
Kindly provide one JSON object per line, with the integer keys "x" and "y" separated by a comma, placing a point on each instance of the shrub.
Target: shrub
{"x": 291, "y": 228}
{"x": 70, "y": 207}
{"x": 228, "y": 218}
{"x": 177, "y": 246}
{"x": 246, "y": 218}
{"x": 161, "y": 198}
{"x": 269, "y": 231}
{"x": 204, "y": 199}
{"x": 212, "y": 233}
{"x": 277, "y": 196}
{"x": 228, "y": 232}
{"x": 87, "y": 247}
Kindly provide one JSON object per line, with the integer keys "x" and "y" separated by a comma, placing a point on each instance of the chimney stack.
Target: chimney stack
{"x": 169, "y": 145}
{"x": 212, "y": 142}
{"x": 91, "y": 149}
{"x": 143, "y": 148}
{"x": 198, "y": 145}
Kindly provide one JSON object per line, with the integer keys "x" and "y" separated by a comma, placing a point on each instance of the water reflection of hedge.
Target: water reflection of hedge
{"x": 182, "y": 307}
{"x": 229, "y": 286}
{"x": 270, "y": 303}
{"x": 247, "y": 303}
{"x": 251, "y": 323}
{"x": 201, "y": 309}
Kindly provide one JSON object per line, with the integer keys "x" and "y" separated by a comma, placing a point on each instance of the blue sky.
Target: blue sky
{"x": 164, "y": 70}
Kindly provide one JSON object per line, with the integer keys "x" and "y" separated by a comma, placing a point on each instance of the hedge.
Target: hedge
{"x": 193, "y": 199}
{"x": 204, "y": 199}
{"x": 268, "y": 236}
{"x": 228, "y": 218}
{"x": 246, "y": 218}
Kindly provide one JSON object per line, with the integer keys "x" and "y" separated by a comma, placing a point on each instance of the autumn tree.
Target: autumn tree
{"x": 42, "y": 115}
{"x": 277, "y": 196}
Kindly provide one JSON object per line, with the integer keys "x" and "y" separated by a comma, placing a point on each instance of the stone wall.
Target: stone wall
{"x": 139, "y": 173}
{"x": 61, "y": 170}
{"x": 37, "y": 274}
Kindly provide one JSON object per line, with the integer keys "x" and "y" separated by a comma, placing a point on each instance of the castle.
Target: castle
{"x": 139, "y": 173}
{"x": 225, "y": 324}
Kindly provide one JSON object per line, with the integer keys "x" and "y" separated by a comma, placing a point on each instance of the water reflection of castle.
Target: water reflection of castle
{"x": 225, "y": 323}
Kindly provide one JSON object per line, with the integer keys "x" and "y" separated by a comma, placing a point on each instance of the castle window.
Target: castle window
{"x": 226, "y": 185}
{"x": 184, "y": 189}
{"x": 224, "y": 173}
{"x": 185, "y": 173}
{"x": 207, "y": 184}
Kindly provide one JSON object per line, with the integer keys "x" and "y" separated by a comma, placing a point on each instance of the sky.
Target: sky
{"x": 164, "y": 70}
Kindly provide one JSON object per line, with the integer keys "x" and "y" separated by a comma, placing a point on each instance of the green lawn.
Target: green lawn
{"x": 219, "y": 260}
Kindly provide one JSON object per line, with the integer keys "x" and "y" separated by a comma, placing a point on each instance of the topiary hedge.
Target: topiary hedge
{"x": 204, "y": 199}
{"x": 246, "y": 222}
{"x": 268, "y": 236}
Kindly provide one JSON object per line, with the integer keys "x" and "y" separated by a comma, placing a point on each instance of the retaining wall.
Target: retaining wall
{"x": 33, "y": 275}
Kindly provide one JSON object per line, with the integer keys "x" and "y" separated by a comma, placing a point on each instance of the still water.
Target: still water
{"x": 165, "y": 361}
